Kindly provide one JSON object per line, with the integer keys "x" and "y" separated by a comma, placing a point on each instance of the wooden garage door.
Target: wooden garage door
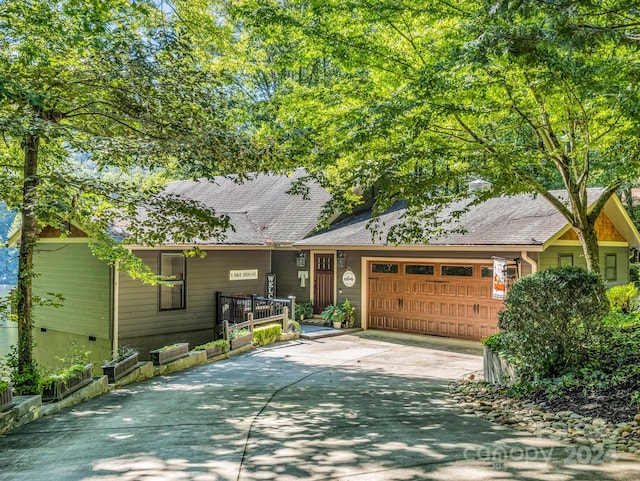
{"x": 442, "y": 299}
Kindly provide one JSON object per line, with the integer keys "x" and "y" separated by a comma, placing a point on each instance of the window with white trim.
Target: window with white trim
{"x": 172, "y": 270}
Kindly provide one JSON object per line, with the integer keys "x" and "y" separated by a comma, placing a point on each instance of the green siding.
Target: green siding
{"x": 550, "y": 258}
{"x": 52, "y": 345}
{"x": 85, "y": 283}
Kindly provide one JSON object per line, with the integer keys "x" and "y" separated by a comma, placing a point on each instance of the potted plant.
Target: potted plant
{"x": 240, "y": 337}
{"x": 333, "y": 314}
{"x": 62, "y": 383}
{"x": 169, "y": 353}
{"x": 349, "y": 313}
{"x": 304, "y": 310}
{"x": 123, "y": 361}
{"x": 214, "y": 348}
{"x": 6, "y": 396}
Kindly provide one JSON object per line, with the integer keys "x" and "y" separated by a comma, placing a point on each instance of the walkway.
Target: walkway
{"x": 346, "y": 408}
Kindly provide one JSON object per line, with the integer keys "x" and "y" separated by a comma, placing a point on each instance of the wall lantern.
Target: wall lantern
{"x": 342, "y": 258}
{"x": 301, "y": 259}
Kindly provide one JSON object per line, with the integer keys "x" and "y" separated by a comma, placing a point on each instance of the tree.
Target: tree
{"x": 528, "y": 95}
{"x": 118, "y": 85}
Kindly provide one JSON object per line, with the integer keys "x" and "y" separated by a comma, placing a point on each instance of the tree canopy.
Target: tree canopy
{"x": 122, "y": 85}
{"x": 429, "y": 95}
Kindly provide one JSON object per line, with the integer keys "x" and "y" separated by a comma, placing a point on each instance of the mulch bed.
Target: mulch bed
{"x": 613, "y": 404}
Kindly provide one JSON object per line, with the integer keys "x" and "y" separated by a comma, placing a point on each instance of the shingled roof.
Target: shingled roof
{"x": 521, "y": 220}
{"x": 261, "y": 210}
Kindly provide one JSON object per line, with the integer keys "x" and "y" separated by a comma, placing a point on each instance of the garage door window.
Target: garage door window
{"x": 421, "y": 270}
{"x": 460, "y": 271}
{"x": 384, "y": 268}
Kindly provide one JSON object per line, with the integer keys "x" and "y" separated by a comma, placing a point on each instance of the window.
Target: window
{"x": 419, "y": 270}
{"x": 565, "y": 260}
{"x": 384, "y": 268}
{"x": 461, "y": 271}
{"x": 610, "y": 267}
{"x": 172, "y": 269}
{"x": 486, "y": 272}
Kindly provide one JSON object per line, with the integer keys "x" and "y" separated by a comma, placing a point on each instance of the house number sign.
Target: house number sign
{"x": 348, "y": 278}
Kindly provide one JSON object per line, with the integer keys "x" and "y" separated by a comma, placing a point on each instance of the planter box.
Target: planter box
{"x": 6, "y": 400}
{"x": 58, "y": 390}
{"x": 214, "y": 351}
{"x": 164, "y": 355}
{"x": 241, "y": 341}
{"x": 496, "y": 369}
{"x": 115, "y": 370}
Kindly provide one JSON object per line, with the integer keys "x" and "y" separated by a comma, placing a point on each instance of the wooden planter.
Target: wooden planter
{"x": 214, "y": 351}
{"x": 115, "y": 370}
{"x": 241, "y": 341}
{"x": 58, "y": 390}
{"x": 6, "y": 399}
{"x": 165, "y": 355}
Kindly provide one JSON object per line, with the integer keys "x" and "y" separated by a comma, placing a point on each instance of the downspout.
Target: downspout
{"x": 116, "y": 307}
{"x": 534, "y": 265}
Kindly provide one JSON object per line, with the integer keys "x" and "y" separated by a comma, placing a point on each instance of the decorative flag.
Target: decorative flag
{"x": 499, "y": 278}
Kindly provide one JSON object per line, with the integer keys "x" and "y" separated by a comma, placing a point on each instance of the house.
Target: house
{"x": 443, "y": 287}
{"x": 105, "y": 308}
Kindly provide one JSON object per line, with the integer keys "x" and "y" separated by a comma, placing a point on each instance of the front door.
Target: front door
{"x": 322, "y": 282}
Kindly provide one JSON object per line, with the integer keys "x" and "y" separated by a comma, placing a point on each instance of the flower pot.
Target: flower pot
{"x": 59, "y": 389}
{"x": 337, "y": 324}
{"x": 115, "y": 370}
{"x": 169, "y": 353}
{"x": 6, "y": 399}
{"x": 241, "y": 341}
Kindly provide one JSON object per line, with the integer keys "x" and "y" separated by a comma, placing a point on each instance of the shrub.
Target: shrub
{"x": 622, "y": 298}
{"x": 634, "y": 272}
{"x": 267, "y": 334}
{"x": 551, "y": 319}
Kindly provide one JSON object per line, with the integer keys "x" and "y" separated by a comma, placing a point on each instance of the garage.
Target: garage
{"x": 445, "y": 298}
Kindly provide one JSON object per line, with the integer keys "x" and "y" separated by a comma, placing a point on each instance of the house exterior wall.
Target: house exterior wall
{"x": 70, "y": 270}
{"x": 551, "y": 258}
{"x": 141, "y": 324}
{"x": 287, "y": 281}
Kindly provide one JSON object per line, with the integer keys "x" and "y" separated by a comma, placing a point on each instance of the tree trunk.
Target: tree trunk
{"x": 589, "y": 242}
{"x": 25, "y": 383}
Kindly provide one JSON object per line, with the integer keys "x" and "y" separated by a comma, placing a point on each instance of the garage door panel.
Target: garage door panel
{"x": 454, "y": 305}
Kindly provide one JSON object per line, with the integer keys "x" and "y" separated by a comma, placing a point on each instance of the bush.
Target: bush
{"x": 622, "y": 298}
{"x": 267, "y": 334}
{"x": 634, "y": 272}
{"x": 552, "y": 319}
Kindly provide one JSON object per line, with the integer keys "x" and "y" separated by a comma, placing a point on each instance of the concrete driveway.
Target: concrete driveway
{"x": 348, "y": 408}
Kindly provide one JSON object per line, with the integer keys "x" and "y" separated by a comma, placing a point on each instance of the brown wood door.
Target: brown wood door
{"x": 444, "y": 299}
{"x": 322, "y": 282}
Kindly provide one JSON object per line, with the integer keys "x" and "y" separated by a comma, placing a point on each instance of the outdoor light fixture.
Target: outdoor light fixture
{"x": 301, "y": 259}
{"x": 342, "y": 258}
